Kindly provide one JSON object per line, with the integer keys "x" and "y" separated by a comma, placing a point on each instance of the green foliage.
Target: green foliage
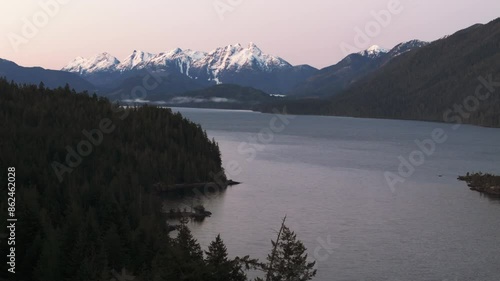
{"x": 221, "y": 268}
{"x": 289, "y": 261}
{"x": 103, "y": 215}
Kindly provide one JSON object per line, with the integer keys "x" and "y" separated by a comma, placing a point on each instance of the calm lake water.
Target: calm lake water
{"x": 327, "y": 175}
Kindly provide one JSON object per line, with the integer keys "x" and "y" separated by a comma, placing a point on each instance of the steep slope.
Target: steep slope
{"x": 332, "y": 80}
{"x": 427, "y": 83}
{"x": 35, "y": 75}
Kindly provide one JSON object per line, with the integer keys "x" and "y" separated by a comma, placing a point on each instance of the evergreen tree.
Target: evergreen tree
{"x": 219, "y": 267}
{"x": 189, "y": 264}
{"x": 288, "y": 260}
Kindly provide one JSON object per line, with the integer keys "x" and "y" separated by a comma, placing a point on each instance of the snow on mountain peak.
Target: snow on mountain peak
{"x": 252, "y": 45}
{"x": 191, "y": 63}
{"x": 195, "y": 55}
{"x": 235, "y": 57}
{"x": 174, "y": 52}
{"x": 374, "y": 51}
{"x": 134, "y": 59}
{"x": 98, "y": 63}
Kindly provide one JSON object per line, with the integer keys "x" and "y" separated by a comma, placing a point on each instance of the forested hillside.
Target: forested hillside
{"x": 102, "y": 215}
{"x": 428, "y": 82}
{"x": 82, "y": 170}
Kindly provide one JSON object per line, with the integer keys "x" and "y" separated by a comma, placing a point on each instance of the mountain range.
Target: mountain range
{"x": 413, "y": 80}
{"x": 232, "y": 64}
{"x": 184, "y": 71}
{"x": 249, "y": 66}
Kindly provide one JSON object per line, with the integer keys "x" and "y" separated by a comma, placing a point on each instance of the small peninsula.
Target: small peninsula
{"x": 484, "y": 183}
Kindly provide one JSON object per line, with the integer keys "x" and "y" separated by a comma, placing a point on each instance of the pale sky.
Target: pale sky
{"x": 301, "y": 32}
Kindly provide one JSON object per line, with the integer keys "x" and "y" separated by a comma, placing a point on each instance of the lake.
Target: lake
{"x": 328, "y": 175}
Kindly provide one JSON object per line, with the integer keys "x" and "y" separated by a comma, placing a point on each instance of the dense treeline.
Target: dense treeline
{"x": 437, "y": 82}
{"x": 84, "y": 171}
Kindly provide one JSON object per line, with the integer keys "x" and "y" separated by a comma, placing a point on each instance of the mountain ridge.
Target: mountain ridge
{"x": 333, "y": 79}
{"x": 451, "y": 80}
{"x": 231, "y": 64}
{"x": 34, "y": 75}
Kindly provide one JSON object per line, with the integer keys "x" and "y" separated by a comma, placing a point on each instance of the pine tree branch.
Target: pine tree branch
{"x": 270, "y": 269}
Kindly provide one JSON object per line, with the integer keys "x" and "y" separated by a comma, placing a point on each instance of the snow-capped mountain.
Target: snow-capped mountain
{"x": 229, "y": 58}
{"x": 181, "y": 60}
{"x": 134, "y": 59}
{"x": 226, "y": 61}
{"x": 374, "y": 51}
{"x": 100, "y": 63}
{"x": 236, "y": 58}
{"x": 236, "y": 64}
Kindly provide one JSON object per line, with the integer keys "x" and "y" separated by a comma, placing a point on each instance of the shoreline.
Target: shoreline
{"x": 163, "y": 188}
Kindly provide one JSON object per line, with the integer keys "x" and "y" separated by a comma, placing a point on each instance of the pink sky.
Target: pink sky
{"x": 301, "y": 32}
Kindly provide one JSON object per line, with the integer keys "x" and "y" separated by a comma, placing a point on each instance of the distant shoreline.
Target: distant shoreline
{"x": 177, "y": 108}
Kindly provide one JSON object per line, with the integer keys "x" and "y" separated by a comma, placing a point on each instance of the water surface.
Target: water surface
{"x": 327, "y": 175}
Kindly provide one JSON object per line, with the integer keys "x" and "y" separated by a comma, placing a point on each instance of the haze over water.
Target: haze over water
{"x": 327, "y": 175}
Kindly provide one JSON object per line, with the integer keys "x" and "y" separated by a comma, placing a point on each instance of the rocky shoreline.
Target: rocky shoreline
{"x": 484, "y": 183}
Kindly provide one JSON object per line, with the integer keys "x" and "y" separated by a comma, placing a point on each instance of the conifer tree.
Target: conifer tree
{"x": 219, "y": 267}
{"x": 288, "y": 260}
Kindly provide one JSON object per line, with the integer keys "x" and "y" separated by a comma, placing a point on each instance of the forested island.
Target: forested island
{"x": 484, "y": 183}
{"x": 86, "y": 206}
